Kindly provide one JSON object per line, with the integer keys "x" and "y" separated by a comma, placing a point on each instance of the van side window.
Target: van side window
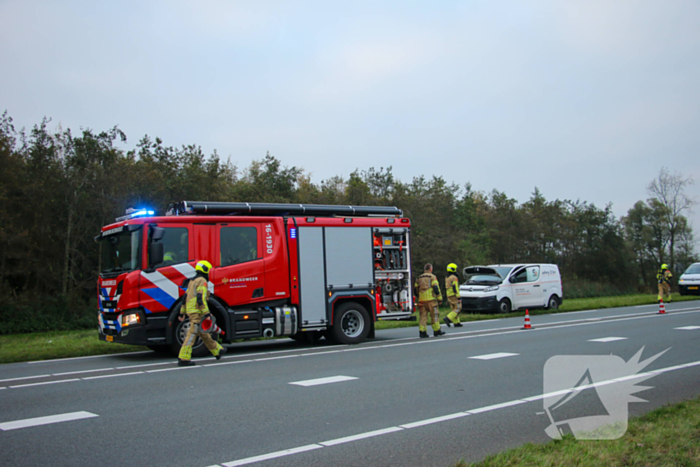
{"x": 238, "y": 245}
{"x": 533, "y": 274}
{"x": 175, "y": 245}
{"x": 520, "y": 276}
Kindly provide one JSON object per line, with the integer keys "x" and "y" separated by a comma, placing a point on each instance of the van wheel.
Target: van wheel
{"x": 351, "y": 324}
{"x": 553, "y": 303}
{"x": 504, "y": 306}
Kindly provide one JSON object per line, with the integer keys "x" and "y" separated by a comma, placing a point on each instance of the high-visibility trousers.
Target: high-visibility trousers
{"x": 193, "y": 332}
{"x": 425, "y": 309}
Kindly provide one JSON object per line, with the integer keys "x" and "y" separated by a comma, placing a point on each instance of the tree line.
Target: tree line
{"x": 57, "y": 189}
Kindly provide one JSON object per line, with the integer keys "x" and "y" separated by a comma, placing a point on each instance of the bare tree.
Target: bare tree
{"x": 669, "y": 190}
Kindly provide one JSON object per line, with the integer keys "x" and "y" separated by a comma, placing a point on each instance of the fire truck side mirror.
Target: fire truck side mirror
{"x": 157, "y": 233}
{"x": 155, "y": 254}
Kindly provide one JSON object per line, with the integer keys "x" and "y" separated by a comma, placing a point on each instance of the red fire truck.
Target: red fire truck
{"x": 297, "y": 270}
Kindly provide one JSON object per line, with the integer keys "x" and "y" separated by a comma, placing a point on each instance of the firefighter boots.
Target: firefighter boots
{"x": 448, "y": 321}
{"x": 181, "y": 362}
{"x": 439, "y": 332}
{"x": 222, "y": 351}
{"x": 458, "y": 325}
{"x": 424, "y": 334}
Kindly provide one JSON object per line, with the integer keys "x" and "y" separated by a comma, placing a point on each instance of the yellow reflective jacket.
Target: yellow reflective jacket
{"x": 428, "y": 288}
{"x": 452, "y": 286}
{"x": 198, "y": 285}
{"x": 664, "y": 275}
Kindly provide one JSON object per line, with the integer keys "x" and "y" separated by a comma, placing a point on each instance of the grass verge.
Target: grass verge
{"x": 668, "y": 436}
{"x": 57, "y": 344}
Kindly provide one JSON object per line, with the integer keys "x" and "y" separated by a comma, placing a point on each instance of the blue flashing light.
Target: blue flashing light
{"x": 293, "y": 233}
{"x": 132, "y": 213}
{"x": 142, "y": 212}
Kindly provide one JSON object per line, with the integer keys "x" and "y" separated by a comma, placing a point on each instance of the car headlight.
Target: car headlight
{"x": 130, "y": 319}
{"x": 491, "y": 289}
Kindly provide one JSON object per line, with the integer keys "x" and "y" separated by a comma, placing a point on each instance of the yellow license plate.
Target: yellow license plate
{"x": 693, "y": 288}
{"x": 109, "y": 338}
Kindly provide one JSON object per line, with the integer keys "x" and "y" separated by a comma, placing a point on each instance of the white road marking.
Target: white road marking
{"x": 328, "y": 380}
{"x": 26, "y": 377}
{"x": 502, "y": 405}
{"x": 45, "y": 382}
{"x": 608, "y": 339}
{"x": 408, "y": 341}
{"x": 83, "y": 371}
{"x": 66, "y": 417}
{"x": 688, "y": 328}
{"x": 430, "y": 421}
{"x": 272, "y": 455}
{"x": 115, "y": 376}
{"x": 176, "y": 368}
{"x": 369, "y": 434}
{"x": 491, "y": 356}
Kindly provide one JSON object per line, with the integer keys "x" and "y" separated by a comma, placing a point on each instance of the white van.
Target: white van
{"x": 689, "y": 282}
{"x": 505, "y": 287}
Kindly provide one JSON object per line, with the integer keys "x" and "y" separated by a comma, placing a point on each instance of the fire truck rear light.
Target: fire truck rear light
{"x": 245, "y": 316}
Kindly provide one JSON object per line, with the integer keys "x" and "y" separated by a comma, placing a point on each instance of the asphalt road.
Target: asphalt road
{"x": 396, "y": 400}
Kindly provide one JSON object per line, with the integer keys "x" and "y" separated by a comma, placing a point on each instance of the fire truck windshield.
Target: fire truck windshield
{"x": 121, "y": 252}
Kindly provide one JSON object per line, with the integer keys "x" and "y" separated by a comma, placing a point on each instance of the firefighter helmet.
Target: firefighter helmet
{"x": 664, "y": 266}
{"x": 203, "y": 266}
{"x": 452, "y": 267}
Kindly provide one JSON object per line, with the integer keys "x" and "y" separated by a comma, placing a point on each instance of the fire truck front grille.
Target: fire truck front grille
{"x": 110, "y": 316}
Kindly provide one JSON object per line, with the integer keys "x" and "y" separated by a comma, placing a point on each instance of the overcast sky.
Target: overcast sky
{"x": 583, "y": 99}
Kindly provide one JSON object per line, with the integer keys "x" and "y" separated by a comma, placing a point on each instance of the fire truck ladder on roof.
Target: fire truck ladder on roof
{"x": 271, "y": 209}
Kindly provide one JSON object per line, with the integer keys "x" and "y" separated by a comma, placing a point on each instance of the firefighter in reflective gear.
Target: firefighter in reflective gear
{"x": 196, "y": 309}
{"x": 452, "y": 290}
{"x": 428, "y": 291}
{"x": 664, "y": 278}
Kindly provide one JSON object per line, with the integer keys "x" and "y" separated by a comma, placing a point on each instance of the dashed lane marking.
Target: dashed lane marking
{"x": 688, "y": 328}
{"x": 29, "y": 422}
{"x": 607, "y": 339}
{"x": 492, "y": 356}
{"x": 319, "y": 381}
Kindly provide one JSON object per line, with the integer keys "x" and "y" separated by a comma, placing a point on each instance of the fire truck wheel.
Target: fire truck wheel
{"x": 351, "y": 324}
{"x": 198, "y": 349}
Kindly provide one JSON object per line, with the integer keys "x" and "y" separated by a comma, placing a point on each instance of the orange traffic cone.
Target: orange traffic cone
{"x": 662, "y": 310}
{"x": 527, "y": 320}
{"x": 209, "y": 327}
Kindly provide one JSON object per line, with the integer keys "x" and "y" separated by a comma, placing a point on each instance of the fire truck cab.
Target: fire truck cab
{"x": 300, "y": 271}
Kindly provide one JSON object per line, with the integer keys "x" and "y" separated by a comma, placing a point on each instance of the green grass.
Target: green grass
{"x": 668, "y": 436}
{"x": 57, "y": 344}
